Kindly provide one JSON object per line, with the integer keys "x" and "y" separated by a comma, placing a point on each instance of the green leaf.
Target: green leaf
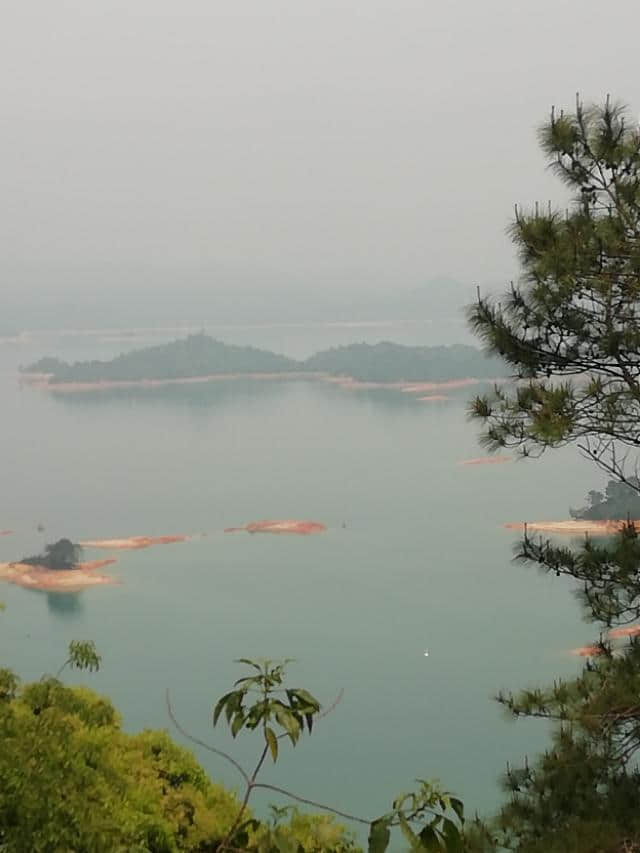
{"x": 238, "y": 722}
{"x": 272, "y": 741}
{"x": 219, "y": 706}
{"x": 283, "y": 843}
{"x": 307, "y": 697}
{"x": 458, "y": 807}
{"x": 289, "y": 723}
{"x": 249, "y": 662}
{"x": 429, "y": 840}
{"x": 408, "y": 833}
{"x": 452, "y": 837}
{"x": 379, "y": 835}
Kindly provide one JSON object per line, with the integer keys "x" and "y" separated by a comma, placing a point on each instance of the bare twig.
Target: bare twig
{"x": 307, "y": 802}
{"x": 201, "y": 743}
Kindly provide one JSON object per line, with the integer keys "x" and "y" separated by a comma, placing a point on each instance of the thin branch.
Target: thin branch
{"x": 333, "y": 705}
{"x": 201, "y": 743}
{"x": 307, "y": 802}
{"x": 251, "y": 784}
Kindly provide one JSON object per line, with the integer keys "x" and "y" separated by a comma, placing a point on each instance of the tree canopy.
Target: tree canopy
{"x": 570, "y": 326}
{"x": 63, "y": 555}
{"x": 72, "y": 780}
{"x": 569, "y": 329}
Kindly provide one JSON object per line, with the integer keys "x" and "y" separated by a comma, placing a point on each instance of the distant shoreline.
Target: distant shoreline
{"x": 42, "y": 381}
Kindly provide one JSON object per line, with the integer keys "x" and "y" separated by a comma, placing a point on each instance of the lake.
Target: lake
{"x": 414, "y": 558}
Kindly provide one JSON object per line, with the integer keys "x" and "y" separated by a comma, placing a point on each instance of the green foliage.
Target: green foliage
{"x": 574, "y": 312}
{"x": 607, "y": 572}
{"x": 82, "y": 655}
{"x": 287, "y": 709}
{"x": 302, "y": 834}
{"x": 70, "y": 779}
{"x": 570, "y": 330}
{"x": 440, "y": 814}
{"x": 62, "y": 555}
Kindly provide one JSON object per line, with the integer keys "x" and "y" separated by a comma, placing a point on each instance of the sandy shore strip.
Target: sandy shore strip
{"x": 587, "y": 651}
{"x": 133, "y": 543}
{"x": 43, "y": 381}
{"x": 302, "y": 528}
{"x": 56, "y": 580}
{"x": 573, "y": 526}
{"x": 487, "y": 460}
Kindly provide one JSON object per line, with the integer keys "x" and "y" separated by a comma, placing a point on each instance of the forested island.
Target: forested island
{"x": 618, "y": 502}
{"x": 202, "y": 356}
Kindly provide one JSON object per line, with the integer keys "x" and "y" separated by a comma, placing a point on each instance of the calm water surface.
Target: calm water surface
{"x": 422, "y": 563}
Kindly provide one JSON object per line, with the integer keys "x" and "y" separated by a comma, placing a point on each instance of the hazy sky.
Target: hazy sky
{"x": 335, "y": 143}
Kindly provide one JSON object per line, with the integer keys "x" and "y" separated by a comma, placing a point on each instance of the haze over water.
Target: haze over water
{"x": 422, "y": 562}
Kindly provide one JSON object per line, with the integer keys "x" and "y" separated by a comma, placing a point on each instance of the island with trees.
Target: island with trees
{"x": 58, "y": 568}
{"x": 620, "y": 501}
{"x": 200, "y": 357}
{"x": 62, "y": 555}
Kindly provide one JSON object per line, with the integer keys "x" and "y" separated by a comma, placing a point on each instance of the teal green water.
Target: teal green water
{"x": 423, "y": 562}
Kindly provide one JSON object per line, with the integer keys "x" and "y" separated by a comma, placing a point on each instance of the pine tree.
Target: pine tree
{"x": 570, "y": 329}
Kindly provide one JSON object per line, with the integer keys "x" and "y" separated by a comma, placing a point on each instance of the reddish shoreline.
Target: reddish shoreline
{"x": 606, "y": 528}
{"x": 43, "y": 381}
{"x": 133, "y": 543}
{"x": 56, "y": 580}
{"x": 302, "y": 528}
{"x": 487, "y": 460}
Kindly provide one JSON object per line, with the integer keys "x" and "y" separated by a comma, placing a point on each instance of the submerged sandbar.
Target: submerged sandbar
{"x": 487, "y": 460}
{"x": 303, "y": 528}
{"x": 133, "y": 543}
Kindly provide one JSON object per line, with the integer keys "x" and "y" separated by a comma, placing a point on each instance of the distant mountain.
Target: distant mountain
{"x": 200, "y": 355}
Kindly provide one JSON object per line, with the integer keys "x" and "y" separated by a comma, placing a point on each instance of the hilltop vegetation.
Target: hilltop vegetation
{"x": 196, "y": 355}
{"x": 389, "y": 362}
{"x": 61, "y": 555}
{"x": 200, "y": 355}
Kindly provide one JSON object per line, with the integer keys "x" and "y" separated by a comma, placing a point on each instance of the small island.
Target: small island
{"x": 200, "y": 358}
{"x": 62, "y": 555}
{"x": 604, "y": 514}
{"x": 57, "y": 569}
{"x": 619, "y": 502}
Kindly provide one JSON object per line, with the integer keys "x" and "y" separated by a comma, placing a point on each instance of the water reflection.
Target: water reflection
{"x": 243, "y": 392}
{"x": 64, "y": 604}
{"x": 206, "y": 394}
